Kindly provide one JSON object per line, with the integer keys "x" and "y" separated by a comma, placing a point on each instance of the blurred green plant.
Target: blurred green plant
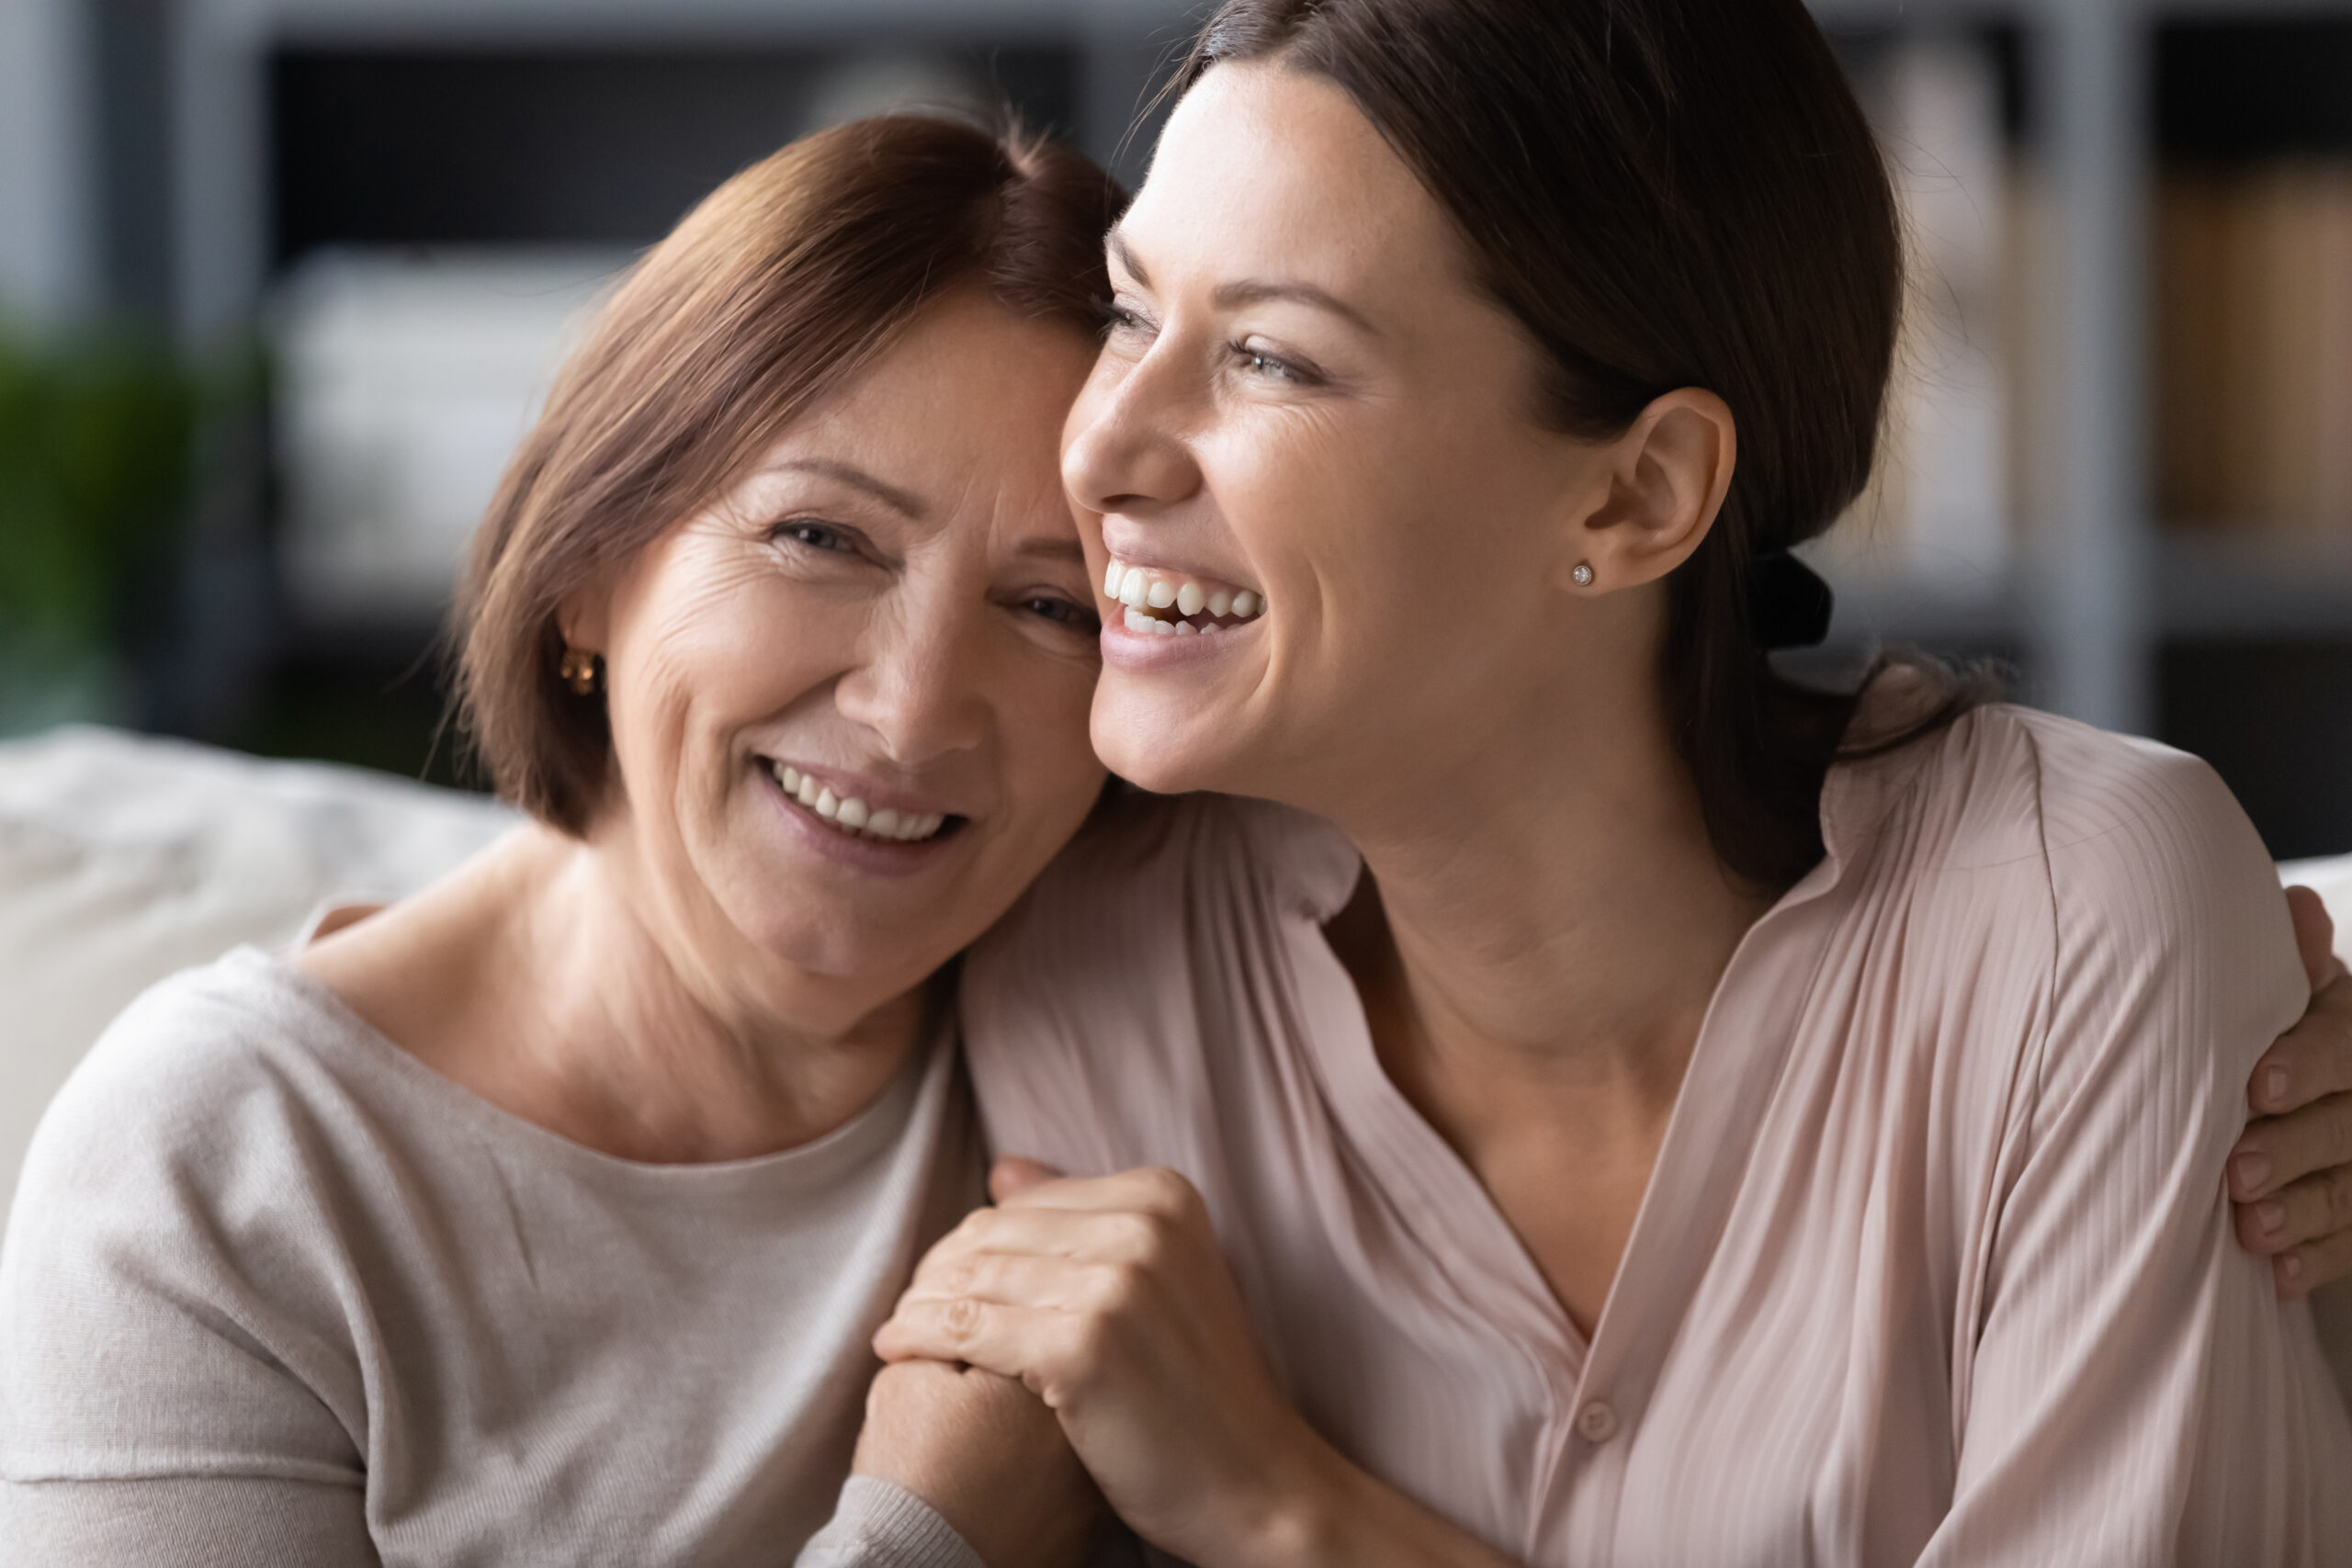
{"x": 98, "y": 468}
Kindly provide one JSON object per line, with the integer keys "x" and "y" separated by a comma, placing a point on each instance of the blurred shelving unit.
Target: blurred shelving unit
{"x": 2183, "y": 547}
{"x": 2033, "y": 507}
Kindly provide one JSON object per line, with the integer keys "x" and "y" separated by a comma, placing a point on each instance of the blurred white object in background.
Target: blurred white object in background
{"x": 405, "y": 380}
{"x": 1938, "y": 511}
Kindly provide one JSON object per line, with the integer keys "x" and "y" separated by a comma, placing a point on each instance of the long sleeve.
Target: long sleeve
{"x": 879, "y": 1525}
{"x": 2133, "y": 1393}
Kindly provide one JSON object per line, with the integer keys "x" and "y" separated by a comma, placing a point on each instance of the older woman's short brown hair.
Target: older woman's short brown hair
{"x": 783, "y": 284}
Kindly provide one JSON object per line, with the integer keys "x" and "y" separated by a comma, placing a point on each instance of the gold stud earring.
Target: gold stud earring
{"x": 1583, "y": 575}
{"x": 580, "y": 670}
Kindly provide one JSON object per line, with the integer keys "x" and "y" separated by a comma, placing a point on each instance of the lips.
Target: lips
{"x": 1168, "y": 604}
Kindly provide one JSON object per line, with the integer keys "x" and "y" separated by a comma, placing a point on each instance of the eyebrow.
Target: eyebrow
{"x": 1055, "y": 549}
{"x": 906, "y": 503}
{"x": 1252, "y": 291}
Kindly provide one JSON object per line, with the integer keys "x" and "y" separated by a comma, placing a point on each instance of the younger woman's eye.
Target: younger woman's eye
{"x": 1274, "y": 367}
{"x": 1118, "y": 319}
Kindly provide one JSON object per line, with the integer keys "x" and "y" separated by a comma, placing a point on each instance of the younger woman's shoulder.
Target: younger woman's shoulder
{"x": 2006, "y": 786}
{"x": 1148, "y": 866}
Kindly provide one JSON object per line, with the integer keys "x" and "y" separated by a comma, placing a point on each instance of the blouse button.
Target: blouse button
{"x": 1597, "y": 1422}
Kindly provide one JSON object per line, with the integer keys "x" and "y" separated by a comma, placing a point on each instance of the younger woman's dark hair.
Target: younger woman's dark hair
{"x": 1665, "y": 194}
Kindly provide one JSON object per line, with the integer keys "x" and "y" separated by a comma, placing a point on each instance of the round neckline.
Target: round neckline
{"x": 871, "y": 1129}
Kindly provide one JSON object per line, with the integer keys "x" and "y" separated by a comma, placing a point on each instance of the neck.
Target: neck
{"x": 632, "y": 1039}
{"x": 1554, "y": 924}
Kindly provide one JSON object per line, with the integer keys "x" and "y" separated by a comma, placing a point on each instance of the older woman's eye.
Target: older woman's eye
{"x": 816, "y": 536}
{"x": 1122, "y": 321}
{"x": 1062, "y": 612}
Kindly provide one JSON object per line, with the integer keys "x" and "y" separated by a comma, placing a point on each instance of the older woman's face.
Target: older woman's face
{"x": 1307, "y": 412}
{"x": 849, "y": 701}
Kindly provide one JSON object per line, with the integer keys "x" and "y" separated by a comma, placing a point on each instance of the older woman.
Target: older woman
{"x": 1649, "y": 1112}
{"x": 544, "y": 1218}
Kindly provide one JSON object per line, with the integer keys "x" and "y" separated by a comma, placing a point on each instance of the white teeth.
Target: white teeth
{"x": 1186, "y": 628}
{"x": 852, "y": 814}
{"x": 1163, "y": 628}
{"x": 1133, "y": 587}
{"x": 1211, "y": 629}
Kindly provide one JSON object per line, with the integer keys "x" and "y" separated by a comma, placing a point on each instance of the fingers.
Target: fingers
{"x": 2312, "y": 1059}
{"x": 2315, "y": 935}
{"x": 2310, "y": 1209}
{"x": 1044, "y": 1348}
{"x": 1121, "y": 1236}
{"x": 1151, "y": 1189}
{"x": 2311, "y": 1265}
{"x": 2278, "y": 1150}
{"x": 1014, "y": 1175}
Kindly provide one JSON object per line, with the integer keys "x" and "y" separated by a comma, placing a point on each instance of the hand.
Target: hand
{"x": 2290, "y": 1173}
{"x": 1110, "y": 1299}
{"x": 987, "y": 1455}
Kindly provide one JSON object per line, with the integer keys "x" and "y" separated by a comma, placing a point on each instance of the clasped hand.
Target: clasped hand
{"x": 1110, "y": 1300}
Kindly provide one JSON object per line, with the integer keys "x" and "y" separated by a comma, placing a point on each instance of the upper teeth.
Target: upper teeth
{"x": 1143, "y": 590}
{"x": 853, "y": 813}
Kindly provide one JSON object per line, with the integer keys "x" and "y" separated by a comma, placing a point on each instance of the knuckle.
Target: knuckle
{"x": 962, "y": 1316}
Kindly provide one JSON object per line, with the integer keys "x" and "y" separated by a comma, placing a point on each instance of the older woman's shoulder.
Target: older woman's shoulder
{"x": 206, "y": 1072}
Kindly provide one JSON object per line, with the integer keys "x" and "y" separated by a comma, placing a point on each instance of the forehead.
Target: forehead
{"x": 1265, "y": 170}
{"x": 967, "y": 403}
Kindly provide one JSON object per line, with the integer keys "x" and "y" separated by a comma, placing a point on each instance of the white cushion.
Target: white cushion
{"x": 125, "y": 858}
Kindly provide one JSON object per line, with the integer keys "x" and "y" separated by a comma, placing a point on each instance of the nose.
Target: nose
{"x": 1125, "y": 448}
{"x": 918, "y": 683}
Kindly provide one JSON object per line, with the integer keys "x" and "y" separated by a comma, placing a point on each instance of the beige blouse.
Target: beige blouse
{"x": 1935, "y": 1266}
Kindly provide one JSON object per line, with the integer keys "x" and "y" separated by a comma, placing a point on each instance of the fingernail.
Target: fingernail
{"x": 2273, "y": 1085}
{"x": 2269, "y": 1215}
{"x": 2253, "y": 1170}
{"x": 2291, "y": 1268}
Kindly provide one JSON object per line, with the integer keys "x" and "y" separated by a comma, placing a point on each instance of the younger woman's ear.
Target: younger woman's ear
{"x": 1669, "y": 474}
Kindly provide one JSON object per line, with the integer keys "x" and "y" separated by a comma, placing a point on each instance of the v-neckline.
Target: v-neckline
{"x": 1453, "y": 1217}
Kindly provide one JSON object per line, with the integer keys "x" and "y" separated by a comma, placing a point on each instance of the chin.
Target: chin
{"x": 1168, "y": 757}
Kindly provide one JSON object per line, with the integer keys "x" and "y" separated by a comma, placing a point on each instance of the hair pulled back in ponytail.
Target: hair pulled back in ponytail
{"x": 1665, "y": 194}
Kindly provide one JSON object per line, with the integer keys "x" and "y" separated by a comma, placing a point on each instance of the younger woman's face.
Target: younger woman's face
{"x": 1306, "y": 409}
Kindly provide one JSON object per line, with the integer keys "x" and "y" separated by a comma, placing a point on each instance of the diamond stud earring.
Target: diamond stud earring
{"x": 1583, "y": 575}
